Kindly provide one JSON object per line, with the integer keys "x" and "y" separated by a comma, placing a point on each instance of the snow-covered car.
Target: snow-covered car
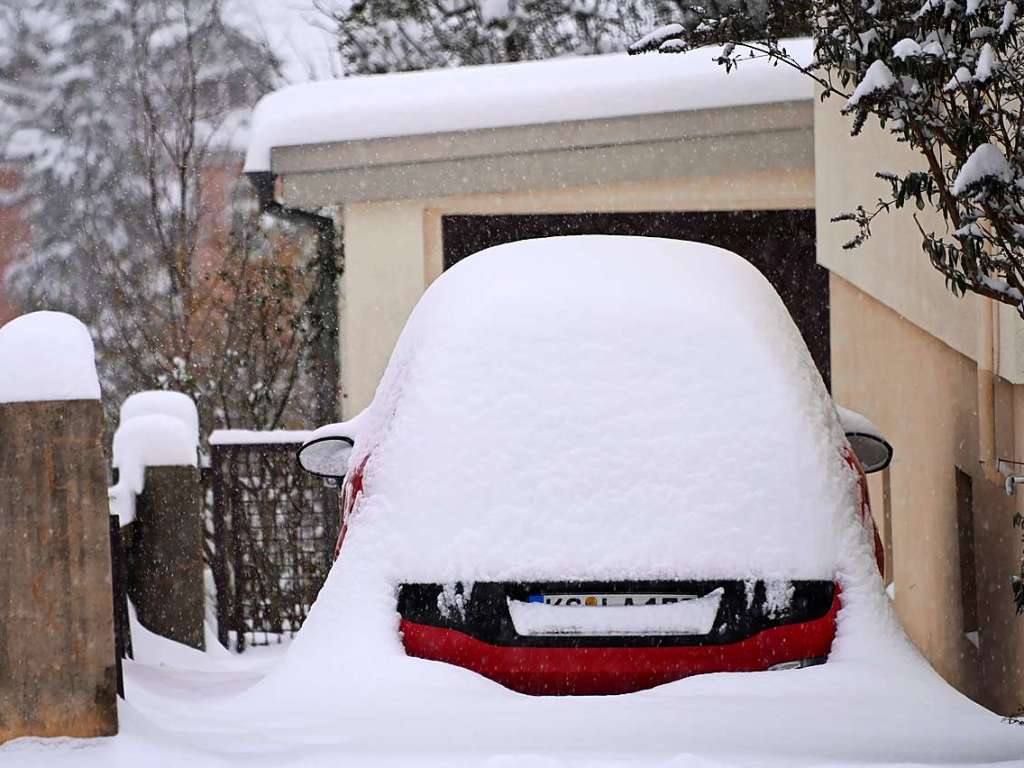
{"x": 595, "y": 465}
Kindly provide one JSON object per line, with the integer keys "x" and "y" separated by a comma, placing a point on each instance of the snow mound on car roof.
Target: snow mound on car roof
{"x": 602, "y": 407}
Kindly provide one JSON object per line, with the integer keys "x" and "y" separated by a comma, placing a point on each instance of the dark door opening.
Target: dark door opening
{"x": 781, "y": 244}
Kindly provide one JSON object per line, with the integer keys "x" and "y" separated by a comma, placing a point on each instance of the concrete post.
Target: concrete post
{"x": 165, "y": 561}
{"x": 57, "y": 673}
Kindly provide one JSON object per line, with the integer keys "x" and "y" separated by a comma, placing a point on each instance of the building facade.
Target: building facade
{"x": 906, "y": 353}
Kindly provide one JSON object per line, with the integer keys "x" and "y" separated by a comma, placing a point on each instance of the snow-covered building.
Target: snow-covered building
{"x": 425, "y": 168}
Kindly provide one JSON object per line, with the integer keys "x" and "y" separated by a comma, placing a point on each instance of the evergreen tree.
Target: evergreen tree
{"x": 399, "y": 35}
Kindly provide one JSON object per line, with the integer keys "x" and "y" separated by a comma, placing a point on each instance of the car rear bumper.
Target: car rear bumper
{"x": 478, "y": 639}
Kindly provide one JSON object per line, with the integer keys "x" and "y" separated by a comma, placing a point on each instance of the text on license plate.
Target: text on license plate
{"x": 601, "y": 600}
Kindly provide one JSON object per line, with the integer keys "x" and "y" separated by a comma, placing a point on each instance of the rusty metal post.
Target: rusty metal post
{"x": 57, "y": 670}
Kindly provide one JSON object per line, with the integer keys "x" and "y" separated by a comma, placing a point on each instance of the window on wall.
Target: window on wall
{"x": 965, "y": 542}
{"x": 781, "y": 244}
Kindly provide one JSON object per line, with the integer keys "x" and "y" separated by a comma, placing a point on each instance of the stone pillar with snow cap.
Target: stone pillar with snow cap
{"x": 57, "y": 668}
{"x": 159, "y": 499}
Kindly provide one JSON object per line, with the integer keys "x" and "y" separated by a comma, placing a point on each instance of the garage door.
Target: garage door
{"x": 779, "y": 243}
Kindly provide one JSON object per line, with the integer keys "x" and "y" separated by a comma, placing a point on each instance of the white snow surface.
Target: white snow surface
{"x": 258, "y": 437}
{"x": 852, "y": 421}
{"x": 47, "y": 356}
{"x": 578, "y": 319}
{"x": 544, "y": 466}
{"x": 175, "y": 404}
{"x": 349, "y": 429}
{"x": 724, "y": 458}
{"x": 988, "y": 63}
{"x": 152, "y": 440}
{"x": 986, "y": 162}
{"x": 878, "y": 78}
{"x": 907, "y": 48}
{"x": 527, "y": 93}
{"x": 157, "y": 429}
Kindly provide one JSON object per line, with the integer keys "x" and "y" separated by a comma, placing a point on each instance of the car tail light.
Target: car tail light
{"x": 350, "y": 493}
{"x": 866, "y": 516}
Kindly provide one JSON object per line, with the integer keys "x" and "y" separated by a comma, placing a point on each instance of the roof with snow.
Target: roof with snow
{"x": 506, "y": 95}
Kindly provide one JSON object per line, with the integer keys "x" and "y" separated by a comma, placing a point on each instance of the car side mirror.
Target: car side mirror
{"x": 869, "y": 445}
{"x": 326, "y": 456}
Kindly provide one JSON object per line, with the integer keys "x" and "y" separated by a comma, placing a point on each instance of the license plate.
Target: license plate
{"x": 610, "y": 600}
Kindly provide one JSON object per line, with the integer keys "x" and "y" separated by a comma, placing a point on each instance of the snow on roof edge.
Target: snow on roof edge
{"x": 506, "y": 95}
{"x": 258, "y": 437}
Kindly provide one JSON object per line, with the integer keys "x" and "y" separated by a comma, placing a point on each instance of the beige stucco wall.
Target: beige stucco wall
{"x": 394, "y": 249}
{"x": 903, "y": 353}
{"x": 384, "y": 278}
{"x": 923, "y": 394}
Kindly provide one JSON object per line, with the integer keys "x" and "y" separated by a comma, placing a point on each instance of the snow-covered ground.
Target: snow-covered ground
{"x": 185, "y": 708}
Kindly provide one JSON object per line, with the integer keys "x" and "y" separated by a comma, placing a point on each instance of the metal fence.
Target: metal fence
{"x": 270, "y": 542}
{"x": 119, "y": 592}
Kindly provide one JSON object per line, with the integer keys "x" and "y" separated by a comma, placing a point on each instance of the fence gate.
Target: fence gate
{"x": 271, "y": 540}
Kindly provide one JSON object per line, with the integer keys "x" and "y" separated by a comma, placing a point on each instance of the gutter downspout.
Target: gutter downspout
{"x": 322, "y": 304}
{"x": 986, "y": 390}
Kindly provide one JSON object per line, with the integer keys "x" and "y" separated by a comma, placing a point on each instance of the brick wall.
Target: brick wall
{"x": 13, "y": 231}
